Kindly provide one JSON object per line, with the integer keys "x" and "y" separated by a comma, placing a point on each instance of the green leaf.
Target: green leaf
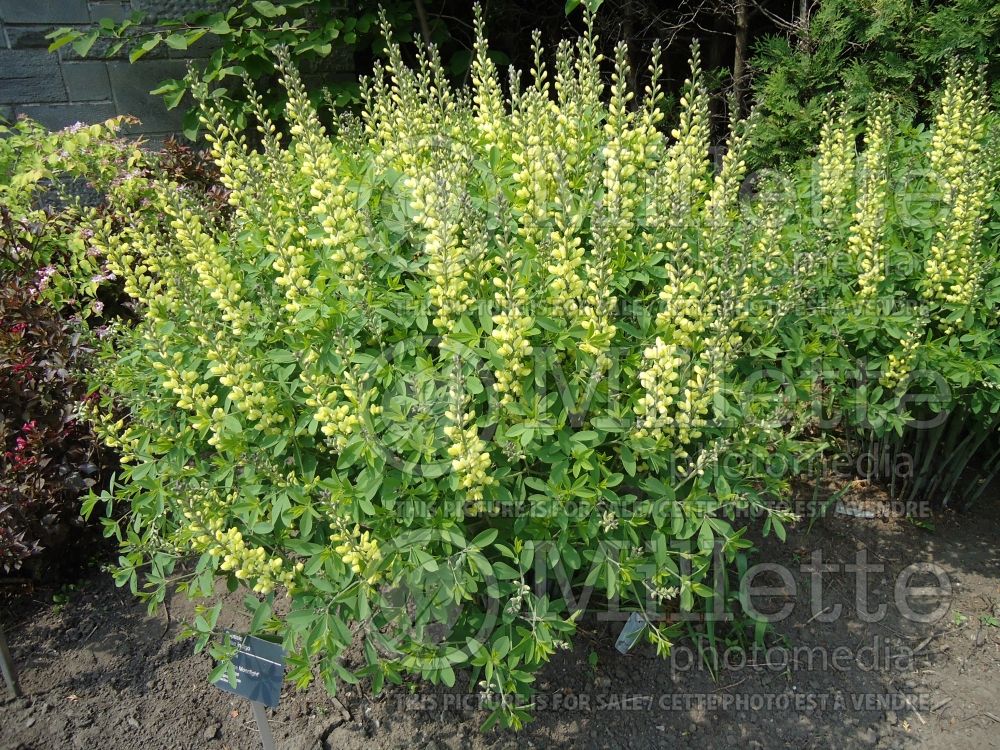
{"x": 83, "y": 44}
{"x": 448, "y": 676}
{"x": 501, "y": 646}
{"x": 368, "y": 482}
{"x": 191, "y": 125}
{"x": 485, "y": 538}
{"x": 174, "y": 98}
{"x": 219, "y": 672}
{"x": 62, "y": 38}
{"x": 351, "y": 453}
{"x": 268, "y": 9}
{"x": 194, "y": 35}
{"x": 88, "y": 505}
{"x": 779, "y": 528}
{"x": 147, "y": 46}
{"x": 260, "y": 616}
{"x": 628, "y": 461}
{"x": 177, "y": 40}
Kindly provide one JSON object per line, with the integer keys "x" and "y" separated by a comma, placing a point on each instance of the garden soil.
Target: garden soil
{"x": 98, "y": 672}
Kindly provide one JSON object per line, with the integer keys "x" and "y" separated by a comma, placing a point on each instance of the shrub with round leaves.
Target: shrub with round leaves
{"x": 442, "y": 377}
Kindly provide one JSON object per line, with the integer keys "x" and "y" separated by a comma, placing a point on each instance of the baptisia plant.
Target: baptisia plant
{"x": 447, "y": 378}
{"x": 906, "y": 326}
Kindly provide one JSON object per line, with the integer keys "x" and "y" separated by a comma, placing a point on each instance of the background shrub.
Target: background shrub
{"x": 50, "y": 458}
{"x": 854, "y": 51}
{"x": 49, "y": 285}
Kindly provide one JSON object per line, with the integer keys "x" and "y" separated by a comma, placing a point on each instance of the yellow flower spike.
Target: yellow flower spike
{"x": 836, "y": 168}
{"x": 954, "y": 267}
{"x": 470, "y": 460}
{"x": 866, "y": 242}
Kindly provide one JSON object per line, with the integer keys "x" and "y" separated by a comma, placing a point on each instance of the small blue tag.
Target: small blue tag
{"x": 630, "y": 633}
{"x": 260, "y": 669}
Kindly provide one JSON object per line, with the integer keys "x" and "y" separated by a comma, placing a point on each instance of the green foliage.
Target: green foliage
{"x": 32, "y": 158}
{"x": 853, "y": 51}
{"x": 454, "y": 376}
{"x": 592, "y": 6}
{"x": 36, "y": 164}
{"x": 48, "y": 457}
{"x": 904, "y": 339}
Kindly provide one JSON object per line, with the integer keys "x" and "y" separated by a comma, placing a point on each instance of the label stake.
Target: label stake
{"x": 7, "y": 666}
{"x": 260, "y": 716}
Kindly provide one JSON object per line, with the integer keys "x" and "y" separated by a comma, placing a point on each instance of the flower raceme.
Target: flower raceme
{"x": 867, "y": 241}
{"x": 965, "y": 172}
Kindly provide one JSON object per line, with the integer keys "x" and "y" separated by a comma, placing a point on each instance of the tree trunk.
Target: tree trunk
{"x": 740, "y": 55}
{"x": 425, "y": 28}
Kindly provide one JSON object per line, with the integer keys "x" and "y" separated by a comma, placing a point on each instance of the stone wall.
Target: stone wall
{"x": 61, "y": 88}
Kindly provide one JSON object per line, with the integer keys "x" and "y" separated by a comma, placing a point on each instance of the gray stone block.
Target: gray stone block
{"x": 113, "y": 9}
{"x": 87, "y": 81}
{"x": 27, "y": 63}
{"x": 29, "y": 37}
{"x": 160, "y": 10}
{"x": 131, "y": 84}
{"x": 6, "y": 112}
{"x": 44, "y": 11}
{"x": 57, "y": 116}
{"x": 30, "y": 76}
{"x": 29, "y": 90}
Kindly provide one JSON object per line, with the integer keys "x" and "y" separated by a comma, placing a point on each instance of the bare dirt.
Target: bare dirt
{"x": 97, "y": 672}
